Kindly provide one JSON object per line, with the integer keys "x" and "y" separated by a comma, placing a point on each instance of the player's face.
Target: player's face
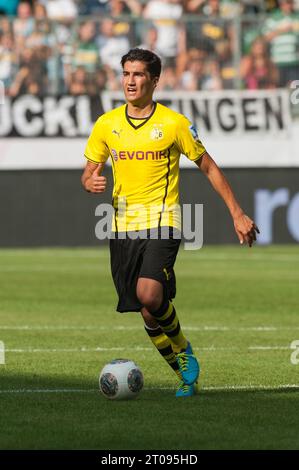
{"x": 137, "y": 83}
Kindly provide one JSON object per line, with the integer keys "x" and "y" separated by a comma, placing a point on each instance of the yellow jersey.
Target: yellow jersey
{"x": 145, "y": 157}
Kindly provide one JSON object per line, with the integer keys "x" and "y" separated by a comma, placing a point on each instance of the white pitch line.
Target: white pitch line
{"x": 269, "y": 348}
{"x": 139, "y": 348}
{"x": 200, "y": 255}
{"x": 220, "y": 388}
{"x": 70, "y": 350}
{"x": 73, "y": 255}
{"x": 196, "y": 256}
{"x": 58, "y": 269}
{"x": 136, "y": 328}
{"x": 251, "y": 387}
{"x": 45, "y": 390}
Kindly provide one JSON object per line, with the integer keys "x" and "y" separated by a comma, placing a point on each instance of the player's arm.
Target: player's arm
{"x": 244, "y": 226}
{"x": 91, "y": 178}
{"x": 96, "y": 152}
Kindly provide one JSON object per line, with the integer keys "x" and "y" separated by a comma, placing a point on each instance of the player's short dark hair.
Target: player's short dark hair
{"x": 152, "y": 61}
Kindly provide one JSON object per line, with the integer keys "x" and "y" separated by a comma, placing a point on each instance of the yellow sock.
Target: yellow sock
{"x": 164, "y": 347}
{"x": 170, "y": 324}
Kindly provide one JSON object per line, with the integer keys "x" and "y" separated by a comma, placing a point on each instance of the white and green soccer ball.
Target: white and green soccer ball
{"x": 121, "y": 379}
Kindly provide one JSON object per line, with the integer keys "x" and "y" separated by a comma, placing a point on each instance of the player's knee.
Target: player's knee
{"x": 151, "y": 298}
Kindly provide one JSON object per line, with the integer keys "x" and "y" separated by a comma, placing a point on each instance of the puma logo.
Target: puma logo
{"x": 117, "y": 133}
{"x": 166, "y": 274}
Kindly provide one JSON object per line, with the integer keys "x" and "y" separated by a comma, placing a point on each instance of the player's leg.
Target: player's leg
{"x": 165, "y": 347}
{"x": 152, "y": 295}
{"x": 160, "y": 340}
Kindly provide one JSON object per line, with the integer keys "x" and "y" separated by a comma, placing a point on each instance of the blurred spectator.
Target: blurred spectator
{"x": 43, "y": 41}
{"x": 251, "y": 29}
{"x": 23, "y": 25}
{"x": 212, "y": 81}
{"x": 257, "y": 69}
{"x": 282, "y": 32}
{"x": 63, "y": 12}
{"x": 61, "y": 9}
{"x": 78, "y": 84}
{"x": 85, "y": 53}
{"x": 116, "y": 8}
{"x": 271, "y": 5}
{"x": 168, "y": 80}
{"x": 5, "y": 26}
{"x": 201, "y": 72}
{"x": 212, "y": 8}
{"x": 226, "y": 64}
{"x": 39, "y": 11}
{"x": 7, "y": 58}
{"x": 91, "y": 7}
{"x": 81, "y": 59}
{"x": 194, "y": 76}
{"x": 113, "y": 8}
{"x": 112, "y": 46}
{"x": 100, "y": 80}
{"x": 193, "y": 6}
{"x": 221, "y": 8}
{"x": 171, "y": 35}
{"x": 150, "y": 38}
{"x": 208, "y": 31}
{"x": 31, "y": 77}
{"x": 9, "y": 7}
{"x": 113, "y": 82}
{"x": 55, "y": 38}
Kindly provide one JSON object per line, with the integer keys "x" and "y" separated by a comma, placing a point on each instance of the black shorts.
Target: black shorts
{"x": 150, "y": 258}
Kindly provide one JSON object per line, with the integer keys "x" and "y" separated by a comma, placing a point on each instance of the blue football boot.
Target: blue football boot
{"x": 188, "y": 365}
{"x": 185, "y": 390}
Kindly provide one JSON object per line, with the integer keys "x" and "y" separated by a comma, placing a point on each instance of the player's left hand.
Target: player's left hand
{"x": 246, "y": 229}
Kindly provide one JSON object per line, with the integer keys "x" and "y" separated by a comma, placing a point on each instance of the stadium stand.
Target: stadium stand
{"x": 68, "y": 46}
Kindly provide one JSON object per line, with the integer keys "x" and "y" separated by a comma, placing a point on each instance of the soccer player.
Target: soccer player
{"x": 145, "y": 140}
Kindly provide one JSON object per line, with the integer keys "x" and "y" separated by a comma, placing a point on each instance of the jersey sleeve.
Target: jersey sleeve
{"x": 188, "y": 141}
{"x": 96, "y": 149}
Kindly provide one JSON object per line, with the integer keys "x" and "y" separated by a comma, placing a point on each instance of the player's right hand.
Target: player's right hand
{"x": 246, "y": 229}
{"x": 96, "y": 183}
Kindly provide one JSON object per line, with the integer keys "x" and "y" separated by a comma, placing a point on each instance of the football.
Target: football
{"x": 121, "y": 379}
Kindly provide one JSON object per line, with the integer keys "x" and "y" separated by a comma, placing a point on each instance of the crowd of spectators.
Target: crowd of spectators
{"x": 75, "y": 46}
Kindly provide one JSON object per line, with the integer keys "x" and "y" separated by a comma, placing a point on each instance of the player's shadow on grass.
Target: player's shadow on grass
{"x": 36, "y": 382}
{"x": 70, "y": 413}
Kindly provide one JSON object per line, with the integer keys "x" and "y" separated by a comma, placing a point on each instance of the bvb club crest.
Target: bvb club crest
{"x": 156, "y": 133}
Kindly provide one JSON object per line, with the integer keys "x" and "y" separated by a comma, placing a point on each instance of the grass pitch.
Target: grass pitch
{"x": 238, "y": 306}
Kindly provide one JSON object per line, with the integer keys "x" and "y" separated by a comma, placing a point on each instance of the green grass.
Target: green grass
{"x": 238, "y": 306}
